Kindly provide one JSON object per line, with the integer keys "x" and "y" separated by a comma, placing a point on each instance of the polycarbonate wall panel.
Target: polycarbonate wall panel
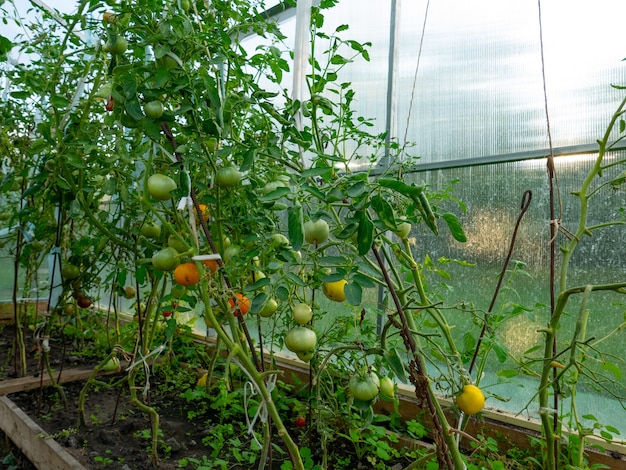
{"x": 493, "y": 195}
{"x": 479, "y": 87}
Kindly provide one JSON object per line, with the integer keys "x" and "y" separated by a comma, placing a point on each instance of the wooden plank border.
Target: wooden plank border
{"x": 43, "y": 452}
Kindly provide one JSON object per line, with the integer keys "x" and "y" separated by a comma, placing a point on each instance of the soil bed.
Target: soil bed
{"x": 196, "y": 430}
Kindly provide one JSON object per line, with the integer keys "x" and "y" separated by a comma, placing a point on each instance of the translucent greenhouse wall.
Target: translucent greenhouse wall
{"x": 469, "y": 91}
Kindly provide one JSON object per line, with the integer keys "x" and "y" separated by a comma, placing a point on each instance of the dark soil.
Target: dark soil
{"x": 194, "y": 429}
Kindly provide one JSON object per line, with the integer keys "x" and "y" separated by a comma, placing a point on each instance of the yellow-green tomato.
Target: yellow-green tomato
{"x": 302, "y": 313}
{"x": 403, "y": 229}
{"x": 335, "y": 291}
{"x": 151, "y": 230}
{"x": 174, "y": 242}
{"x": 228, "y": 176}
{"x": 363, "y": 388}
{"x": 305, "y": 356}
{"x": 231, "y": 252}
{"x": 165, "y": 259}
{"x": 111, "y": 365}
{"x": 279, "y": 240}
{"x": 316, "y": 232}
{"x": 153, "y": 109}
{"x": 118, "y": 46}
{"x": 269, "y": 308}
{"x": 300, "y": 339}
{"x": 70, "y": 271}
{"x": 387, "y": 387}
{"x": 160, "y": 187}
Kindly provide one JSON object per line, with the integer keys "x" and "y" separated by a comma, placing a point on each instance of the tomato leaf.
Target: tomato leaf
{"x": 363, "y": 281}
{"x": 133, "y": 108}
{"x": 365, "y": 235}
{"x": 455, "y": 227}
{"x": 320, "y": 171}
{"x": 257, "y": 303}
{"x": 275, "y": 194}
{"x": 296, "y": 280}
{"x": 356, "y": 189}
{"x": 314, "y": 191}
{"x": 264, "y": 282}
{"x": 354, "y": 293}
{"x": 507, "y": 373}
{"x": 296, "y": 226}
{"x": 613, "y": 369}
{"x": 400, "y": 187}
{"x": 501, "y": 351}
{"x": 334, "y": 260}
{"x": 384, "y": 211}
{"x": 396, "y": 364}
{"x": 348, "y": 231}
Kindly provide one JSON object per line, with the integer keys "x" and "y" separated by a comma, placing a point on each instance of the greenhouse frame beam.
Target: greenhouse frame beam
{"x": 508, "y": 157}
{"x": 279, "y": 13}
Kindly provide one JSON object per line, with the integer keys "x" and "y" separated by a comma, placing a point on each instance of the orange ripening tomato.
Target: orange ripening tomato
{"x": 242, "y": 306}
{"x": 187, "y": 274}
{"x": 204, "y": 209}
{"x": 211, "y": 264}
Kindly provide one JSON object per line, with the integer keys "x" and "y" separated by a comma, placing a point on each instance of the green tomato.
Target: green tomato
{"x": 165, "y": 259}
{"x": 387, "y": 387}
{"x": 161, "y": 186}
{"x": 316, "y": 232}
{"x": 302, "y": 313}
{"x": 231, "y": 252}
{"x": 212, "y": 144}
{"x": 130, "y": 292}
{"x": 273, "y": 186}
{"x": 363, "y": 388}
{"x": 70, "y": 272}
{"x": 111, "y": 365}
{"x": 305, "y": 356}
{"x": 119, "y": 46}
{"x": 151, "y": 230}
{"x": 403, "y": 230}
{"x": 269, "y": 308}
{"x": 174, "y": 242}
{"x": 279, "y": 240}
{"x": 300, "y": 339}
{"x": 228, "y": 177}
{"x": 153, "y": 109}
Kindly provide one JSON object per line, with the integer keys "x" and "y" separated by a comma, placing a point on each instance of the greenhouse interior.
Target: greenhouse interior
{"x": 313, "y": 234}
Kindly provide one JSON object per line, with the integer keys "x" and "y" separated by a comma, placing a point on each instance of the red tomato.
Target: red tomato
{"x": 300, "y": 421}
